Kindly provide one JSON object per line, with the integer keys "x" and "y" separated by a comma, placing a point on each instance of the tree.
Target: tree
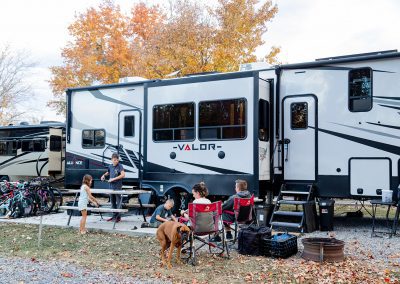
{"x": 153, "y": 42}
{"x": 13, "y": 88}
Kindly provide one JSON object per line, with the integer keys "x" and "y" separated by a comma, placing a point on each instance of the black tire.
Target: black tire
{"x": 27, "y": 205}
{"x": 47, "y": 200}
{"x": 17, "y": 210}
{"x": 58, "y": 199}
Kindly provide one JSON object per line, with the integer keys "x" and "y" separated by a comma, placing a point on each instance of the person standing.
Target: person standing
{"x": 117, "y": 173}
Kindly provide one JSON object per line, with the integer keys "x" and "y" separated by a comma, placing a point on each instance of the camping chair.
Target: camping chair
{"x": 205, "y": 221}
{"x": 243, "y": 213}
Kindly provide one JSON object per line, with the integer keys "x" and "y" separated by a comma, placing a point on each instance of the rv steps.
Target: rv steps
{"x": 286, "y": 214}
{"x": 290, "y": 192}
{"x": 286, "y": 225}
{"x": 293, "y": 202}
{"x": 289, "y": 213}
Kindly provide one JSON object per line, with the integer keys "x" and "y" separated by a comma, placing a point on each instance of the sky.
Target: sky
{"x": 304, "y": 29}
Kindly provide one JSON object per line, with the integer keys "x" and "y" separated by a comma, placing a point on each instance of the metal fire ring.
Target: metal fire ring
{"x": 323, "y": 249}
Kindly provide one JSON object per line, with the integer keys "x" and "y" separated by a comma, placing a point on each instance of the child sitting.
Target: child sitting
{"x": 161, "y": 214}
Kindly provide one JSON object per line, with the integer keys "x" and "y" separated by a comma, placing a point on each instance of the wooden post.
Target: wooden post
{"x": 40, "y": 230}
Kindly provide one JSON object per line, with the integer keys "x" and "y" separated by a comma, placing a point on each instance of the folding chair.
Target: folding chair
{"x": 205, "y": 221}
{"x": 243, "y": 214}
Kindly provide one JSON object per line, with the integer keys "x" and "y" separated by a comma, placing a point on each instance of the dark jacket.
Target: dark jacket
{"x": 228, "y": 204}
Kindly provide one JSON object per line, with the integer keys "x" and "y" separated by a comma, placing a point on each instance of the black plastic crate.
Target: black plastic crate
{"x": 280, "y": 248}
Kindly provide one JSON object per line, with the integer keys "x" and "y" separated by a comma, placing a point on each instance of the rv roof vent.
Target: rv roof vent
{"x": 24, "y": 123}
{"x": 358, "y": 55}
{"x": 254, "y": 66}
{"x": 131, "y": 79}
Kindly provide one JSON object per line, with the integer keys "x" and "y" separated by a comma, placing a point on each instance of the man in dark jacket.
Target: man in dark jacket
{"x": 241, "y": 192}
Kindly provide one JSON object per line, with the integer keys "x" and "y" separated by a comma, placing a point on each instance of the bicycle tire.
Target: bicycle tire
{"x": 47, "y": 200}
{"x": 58, "y": 199}
{"x": 27, "y": 204}
{"x": 16, "y": 209}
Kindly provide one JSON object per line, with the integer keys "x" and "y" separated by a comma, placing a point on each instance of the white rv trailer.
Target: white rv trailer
{"x": 28, "y": 151}
{"x": 332, "y": 123}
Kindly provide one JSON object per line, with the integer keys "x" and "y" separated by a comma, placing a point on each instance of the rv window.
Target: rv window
{"x": 174, "y": 122}
{"x": 55, "y": 143}
{"x": 8, "y": 148}
{"x": 222, "y": 119}
{"x": 93, "y": 138}
{"x": 360, "y": 89}
{"x": 299, "y": 115}
{"x": 37, "y": 145}
{"x": 263, "y": 120}
{"x": 129, "y": 126}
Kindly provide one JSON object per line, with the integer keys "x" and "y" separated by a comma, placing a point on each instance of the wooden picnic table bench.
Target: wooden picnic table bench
{"x": 110, "y": 210}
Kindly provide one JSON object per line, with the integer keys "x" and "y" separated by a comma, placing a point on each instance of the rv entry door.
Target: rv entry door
{"x": 56, "y": 151}
{"x": 129, "y": 145}
{"x": 299, "y": 138}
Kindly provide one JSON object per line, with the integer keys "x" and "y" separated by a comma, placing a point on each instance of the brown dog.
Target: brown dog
{"x": 172, "y": 234}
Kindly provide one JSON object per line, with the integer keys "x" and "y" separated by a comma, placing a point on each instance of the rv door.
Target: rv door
{"x": 299, "y": 138}
{"x": 55, "y": 153}
{"x": 128, "y": 141}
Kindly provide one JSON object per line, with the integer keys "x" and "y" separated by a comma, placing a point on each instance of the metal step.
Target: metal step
{"x": 292, "y": 192}
{"x": 286, "y": 224}
{"x": 293, "y": 202}
{"x": 289, "y": 213}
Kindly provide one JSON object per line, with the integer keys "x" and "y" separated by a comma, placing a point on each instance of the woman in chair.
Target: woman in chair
{"x": 200, "y": 193}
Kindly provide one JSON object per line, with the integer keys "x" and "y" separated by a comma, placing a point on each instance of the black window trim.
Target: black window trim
{"x": 291, "y": 126}
{"x": 348, "y": 89}
{"x": 173, "y": 129}
{"x": 33, "y": 139}
{"x": 93, "y": 129}
{"x": 12, "y": 154}
{"x": 223, "y": 126}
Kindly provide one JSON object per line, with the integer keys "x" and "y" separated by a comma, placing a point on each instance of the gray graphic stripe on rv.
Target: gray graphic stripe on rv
{"x": 389, "y": 106}
{"x": 346, "y": 69}
{"x": 377, "y": 145}
{"x": 13, "y": 158}
{"x": 214, "y": 169}
{"x": 99, "y": 95}
{"x": 384, "y": 125}
{"x": 388, "y": 98}
{"x": 369, "y": 131}
{"x": 385, "y": 101}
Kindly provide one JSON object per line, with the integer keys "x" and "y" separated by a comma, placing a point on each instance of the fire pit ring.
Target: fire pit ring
{"x": 323, "y": 249}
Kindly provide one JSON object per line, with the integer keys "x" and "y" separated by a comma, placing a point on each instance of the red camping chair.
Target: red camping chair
{"x": 243, "y": 213}
{"x": 205, "y": 221}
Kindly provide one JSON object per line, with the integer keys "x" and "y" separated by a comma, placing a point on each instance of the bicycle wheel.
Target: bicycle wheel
{"x": 27, "y": 204}
{"x": 58, "y": 199}
{"x": 16, "y": 209}
{"x": 47, "y": 200}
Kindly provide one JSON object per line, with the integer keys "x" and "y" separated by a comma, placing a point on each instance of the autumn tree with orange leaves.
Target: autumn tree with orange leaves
{"x": 152, "y": 41}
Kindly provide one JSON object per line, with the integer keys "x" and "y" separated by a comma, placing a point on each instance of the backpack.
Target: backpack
{"x": 249, "y": 239}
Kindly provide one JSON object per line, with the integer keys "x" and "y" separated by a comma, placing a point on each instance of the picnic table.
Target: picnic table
{"x": 100, "y": 210}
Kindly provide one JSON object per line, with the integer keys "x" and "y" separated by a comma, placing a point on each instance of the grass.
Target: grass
{"x": 138, "y": 256}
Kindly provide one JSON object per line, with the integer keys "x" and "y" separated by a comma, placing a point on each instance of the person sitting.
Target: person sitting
{"x": 241, "y": 192}
{"x": 200, "y": 193}
{"x": 162, "y": 214}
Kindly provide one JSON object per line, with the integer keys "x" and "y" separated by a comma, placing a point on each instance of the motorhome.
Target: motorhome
{"x": 332, "y": 124}
{"x": 28, "y": 151}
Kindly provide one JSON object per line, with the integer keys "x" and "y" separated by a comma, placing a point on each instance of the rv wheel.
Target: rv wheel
{"x": 181, "y": 199}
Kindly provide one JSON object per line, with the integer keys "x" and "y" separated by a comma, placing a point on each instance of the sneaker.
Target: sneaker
{"x": 110, "y": 219}
{"x": 216, "y": 239}
{"x": 145, "y": 225}
{"x": 229, "y": 236}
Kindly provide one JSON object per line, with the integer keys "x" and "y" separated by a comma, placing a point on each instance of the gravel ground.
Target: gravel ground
{"x": 21, "y": 271}
{"x": 356, "y": 232}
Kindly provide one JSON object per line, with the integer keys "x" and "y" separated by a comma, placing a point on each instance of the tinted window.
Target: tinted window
{"x": 94, "y": 138}
{"x": 8, "y": 148}
{"x": 360, "y": 89}
{"x": 299, "y": 115}
{"x": 55, "y": 143}
{"x": 263, "y": 120}
{"x": 37, "y": 145}
{"x": 174, "y": 122}
{"x": 222, "y": 119}
{"x": 129, "y": 126}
